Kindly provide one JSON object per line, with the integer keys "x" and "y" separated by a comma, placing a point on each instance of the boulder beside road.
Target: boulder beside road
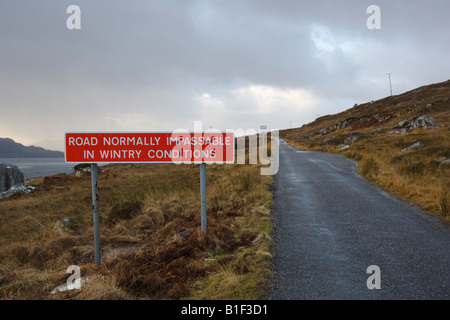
{"x": 10, "y": 176}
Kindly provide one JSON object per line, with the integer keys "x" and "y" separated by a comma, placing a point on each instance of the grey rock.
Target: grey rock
{"x": 184, "y": 234}
{"x": 416, "y": 145}
{"x": 344, "y": 146}
{"x": 344, "y": 124}
{"x": 10, "y": 176}
{"x": 410, "y": 124}
{"x": 379, "y": 130}
{"x": 419, "y": 122}
{"x": 398, "y": 131}
{"x": 65, "y": 222}
{"x": 18, "y": 188}
{"x": 382, "y": 117}
{"x": 368, "y": 118}
{"x": 350, "y": 140}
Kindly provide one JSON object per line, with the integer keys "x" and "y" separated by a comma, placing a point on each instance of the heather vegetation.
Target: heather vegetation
{"x": 151, "y": 242}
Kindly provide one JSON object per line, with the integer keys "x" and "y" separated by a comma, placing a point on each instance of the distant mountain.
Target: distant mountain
{"x": 11, "y": 149}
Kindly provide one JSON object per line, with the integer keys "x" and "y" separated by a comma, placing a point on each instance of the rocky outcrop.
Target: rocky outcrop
{"x": 416, "y": 145}
{"x": 362, "y": 122}
{"x": 410, "y": 124}
{"x": 10, "y": 176}
{"x": 350, "y": 140}
{"x": 18, "y": 189}
{"x": 379, "y": 130}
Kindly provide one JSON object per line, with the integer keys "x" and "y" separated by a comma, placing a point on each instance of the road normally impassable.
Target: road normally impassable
{"x": 331, "y": 225}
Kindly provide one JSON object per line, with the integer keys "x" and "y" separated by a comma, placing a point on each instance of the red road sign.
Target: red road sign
{"x": 156, "y": 147}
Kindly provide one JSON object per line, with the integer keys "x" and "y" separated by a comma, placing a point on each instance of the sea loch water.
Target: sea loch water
{"x": 41, "y": 167}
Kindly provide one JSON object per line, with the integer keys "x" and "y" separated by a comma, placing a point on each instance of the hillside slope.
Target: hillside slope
{"x": 11, "y": 149}
{"x": 401, "y": 143}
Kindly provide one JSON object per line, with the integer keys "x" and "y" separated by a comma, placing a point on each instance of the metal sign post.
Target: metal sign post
{"x": 203, "y": 195}
{"x": 94, "y": 174}
{"x": 148, "y": 147}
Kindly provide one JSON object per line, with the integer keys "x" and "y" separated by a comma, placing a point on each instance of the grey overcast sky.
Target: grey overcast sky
{"x": 160, "y": 65}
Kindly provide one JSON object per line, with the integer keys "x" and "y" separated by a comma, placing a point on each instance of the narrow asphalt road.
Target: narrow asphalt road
{"x": 331, "y": 225}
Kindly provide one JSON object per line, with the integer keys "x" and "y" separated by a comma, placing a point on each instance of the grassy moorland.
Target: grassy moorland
{"x": 370, "y": 134}
{"x": 154, "y": 209}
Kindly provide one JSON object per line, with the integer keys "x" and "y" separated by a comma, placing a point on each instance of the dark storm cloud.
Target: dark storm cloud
{"x": 159, "y": 65}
